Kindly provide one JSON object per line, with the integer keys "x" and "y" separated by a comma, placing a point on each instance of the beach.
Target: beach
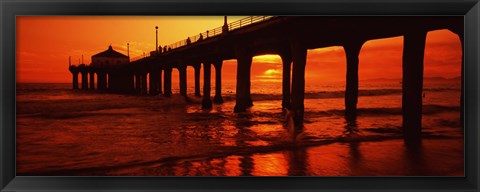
{"x": 68, "y": 132}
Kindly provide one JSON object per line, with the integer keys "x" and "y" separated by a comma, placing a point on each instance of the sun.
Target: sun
{"x": 270, "y": 75}
{"x": 270, "y": 59}
{"x": 271, "y": 72}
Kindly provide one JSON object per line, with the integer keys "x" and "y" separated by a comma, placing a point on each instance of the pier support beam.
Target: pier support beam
{"x": 129, "y": 81}
{"x": 299, "y": 57}
{"x": 457, "y": 28}
{"x": 182, "y": 70}
{"x": 92, "y": 80}
{"x": 125, "y": 81}
{"x": 352, "y": 49}
{"x": 75, "y": 80}
{"x": 151, "y": 90}
{"x": 413, "y": 54}
{"x": 244, "y": 63}
{"x": 113, "y": 81}
{"x": 206, "y": 102}
{"x": 287, "y": 64}
{"x": 120, "y": 81}
{"x": 197, "y": 79}
{"x": 138, "y": 83}
{"x": 144, "y": 83}
{"x": 84, "y": 79}
{"x": 108, "y": 80}
{"x": 112, "y": 84}
{"x": 101, "y": 81}
{"x": 159, "y": 81}
{"x": 462, "y": 90}
{"x": 153, "y": 82}
{"x": 218, "y": 82}
{"x": 168, "y": 82}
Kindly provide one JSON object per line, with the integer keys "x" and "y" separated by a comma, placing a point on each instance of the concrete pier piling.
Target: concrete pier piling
{"x": 412, "y": 84}
{"x": 206, "y": 101}
{"x": 218, "y": 82}
{"x": 299, "y": 58}
{"x": 352, "y": 49}
{"x": 244, "y": 63}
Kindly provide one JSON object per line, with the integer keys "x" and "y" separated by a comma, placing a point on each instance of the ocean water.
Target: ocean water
{"x": 61, "y": 131}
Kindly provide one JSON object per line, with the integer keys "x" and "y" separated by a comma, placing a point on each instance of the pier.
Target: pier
{"x": 288, "y": 37}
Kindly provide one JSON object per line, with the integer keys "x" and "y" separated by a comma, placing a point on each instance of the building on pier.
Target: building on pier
{"x": 112, "y": 70}
{"x": 109, "y": 58}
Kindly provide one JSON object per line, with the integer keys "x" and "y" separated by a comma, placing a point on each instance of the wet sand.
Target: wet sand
{"x": 436, "y": 157}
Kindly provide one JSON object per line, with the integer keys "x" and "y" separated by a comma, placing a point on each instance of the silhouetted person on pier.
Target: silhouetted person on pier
{"x": 188, "y": 41}
{"x": 207, "y": 34}
{"x": 165, "y": 49}
{"x": 201, "y": 37}
{"x": 169, "y": 48}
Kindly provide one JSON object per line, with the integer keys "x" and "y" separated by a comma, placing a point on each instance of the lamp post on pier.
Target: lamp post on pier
{"x": 225, "y": 25}
{"x": 156, "y": 39}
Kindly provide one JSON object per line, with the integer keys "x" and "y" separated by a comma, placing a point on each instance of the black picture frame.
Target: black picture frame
{"x": 10, "y": 9}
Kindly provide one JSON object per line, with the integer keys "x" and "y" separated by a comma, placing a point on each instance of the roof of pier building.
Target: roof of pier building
{"x": 109, "y": 58}
{"x": 110, "y": 53}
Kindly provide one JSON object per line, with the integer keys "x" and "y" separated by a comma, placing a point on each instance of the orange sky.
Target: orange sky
{"x": 44, "y": 44}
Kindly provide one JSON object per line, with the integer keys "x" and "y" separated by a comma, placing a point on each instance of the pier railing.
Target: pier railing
{"x": 137, "y": 58}
{"x": 210, "y": 33}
